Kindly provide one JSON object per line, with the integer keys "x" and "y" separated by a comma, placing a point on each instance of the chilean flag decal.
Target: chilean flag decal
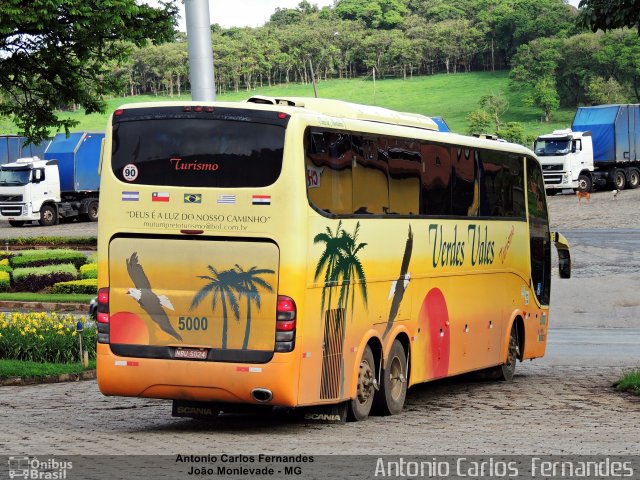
{"x": 160, "y": 196}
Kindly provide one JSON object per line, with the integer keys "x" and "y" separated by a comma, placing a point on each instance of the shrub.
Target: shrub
{"x": 90, "y": 270}
{"x": 35, "y": 279}
{"x": 5, "y": 281}
{"x": 6, "y": 255}
{"x": 4, "y": 265}
{"x": 93, "y": 258}
{"x": 43, "y": 337}
{"x": 29, "y": 241}
{"x": 88, "y": 285}
{"x": 39, "y": 258}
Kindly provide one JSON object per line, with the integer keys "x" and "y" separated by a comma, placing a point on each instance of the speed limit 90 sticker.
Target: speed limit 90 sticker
{"x": 130, "y": 172}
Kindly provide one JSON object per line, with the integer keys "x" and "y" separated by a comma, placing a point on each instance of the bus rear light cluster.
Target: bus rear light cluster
{"x": 285, "y": 324}
{"x": 103, "y": 315}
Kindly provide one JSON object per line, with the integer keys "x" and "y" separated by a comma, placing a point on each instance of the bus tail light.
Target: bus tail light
{"x": 103, "y": 315}
{"x": 285, "y": 324}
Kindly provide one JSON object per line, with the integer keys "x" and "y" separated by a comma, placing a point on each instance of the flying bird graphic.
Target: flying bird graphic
{"x": 151, "y": 303}
{"x": 400, "y": 285}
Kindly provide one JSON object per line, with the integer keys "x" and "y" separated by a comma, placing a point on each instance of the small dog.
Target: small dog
{"x": 582, "y": 195}
{"x": 615, "y": 194}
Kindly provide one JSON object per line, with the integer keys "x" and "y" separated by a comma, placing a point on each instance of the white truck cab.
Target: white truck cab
{"x": 567, "y": 160}
{"x": 29, "y": 190}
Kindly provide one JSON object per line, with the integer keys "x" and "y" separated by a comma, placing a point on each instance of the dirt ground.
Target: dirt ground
{"x": 604, "y": 236}
{"x": 602, "y": 210}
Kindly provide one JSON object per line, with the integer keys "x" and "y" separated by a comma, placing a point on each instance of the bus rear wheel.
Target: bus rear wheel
{"x": 508, "y": 369}
{"x": 360, "y": 407}
{"x": 389, "y": 400}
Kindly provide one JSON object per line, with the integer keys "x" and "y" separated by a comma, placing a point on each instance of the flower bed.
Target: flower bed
{"x": 43, "y": 337}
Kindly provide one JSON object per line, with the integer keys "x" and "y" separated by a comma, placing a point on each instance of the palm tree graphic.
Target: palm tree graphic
{"x": 328, "y": 261}
{"x": 247, "y": 285}
{"x": 342, "y": 268}
{"x": 222, "y": 286}
{"x": 349, "y": 269}
{"x": 341, "y": 265}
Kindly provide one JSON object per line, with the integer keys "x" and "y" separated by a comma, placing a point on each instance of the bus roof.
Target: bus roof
{"x": 342, "y": 109}
{"x": 350, "y": 111}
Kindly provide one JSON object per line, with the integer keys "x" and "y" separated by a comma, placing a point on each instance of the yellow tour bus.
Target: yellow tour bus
{"x": 302, "y": 252}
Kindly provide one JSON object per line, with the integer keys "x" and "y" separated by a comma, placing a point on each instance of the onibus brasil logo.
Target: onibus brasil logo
{"x": 32, "y": 467}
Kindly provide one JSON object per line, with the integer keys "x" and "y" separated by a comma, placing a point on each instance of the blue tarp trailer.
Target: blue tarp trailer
{"x": 12, "y": 147}
{"x": 78, "y": 157}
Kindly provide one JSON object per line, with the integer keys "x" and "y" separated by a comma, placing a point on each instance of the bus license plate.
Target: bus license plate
{"x": 192, "y": 353}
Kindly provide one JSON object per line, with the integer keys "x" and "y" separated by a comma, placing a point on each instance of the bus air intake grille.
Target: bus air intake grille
{"x": 332, "y": 355}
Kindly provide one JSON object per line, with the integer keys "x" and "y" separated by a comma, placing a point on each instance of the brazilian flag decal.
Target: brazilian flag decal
{"x": 192, "y": 198}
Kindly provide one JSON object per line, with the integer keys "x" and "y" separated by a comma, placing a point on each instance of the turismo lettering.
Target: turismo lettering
{"x": 179, "y": 164}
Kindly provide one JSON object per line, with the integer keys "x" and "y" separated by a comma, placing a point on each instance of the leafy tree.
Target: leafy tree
{"x": 58, "y": 53}
{"x": 601, "y": 91}
{"x": 479, "y": 122}
{"x": 385, "y": 14}
{"x": 513, "y": 132}
{"x": 544, "y": 96}
{"x": 534, "y": 72}
{"x": 609, "y": 14}
{"x": 495, "y": 105}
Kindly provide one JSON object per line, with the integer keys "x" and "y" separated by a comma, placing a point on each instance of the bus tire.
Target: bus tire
{"x": 508, "y": 369}
{"x": 360, "y": 407}
{"x": 389, "y": 400}
{"x": 48, "y": 216}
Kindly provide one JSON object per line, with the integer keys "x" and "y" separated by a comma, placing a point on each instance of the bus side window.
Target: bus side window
{"x": 436, "y": 179}
{"x": 502, "y": 184}
{"x": 465, "y": 196}
{"x": 329, "y": 173}
{"x": 539, "y": 236}
{"x": 405, "y": 168}
{"x": 370, "y": 178}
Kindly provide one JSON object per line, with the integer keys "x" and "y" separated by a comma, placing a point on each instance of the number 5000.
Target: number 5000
{"x": 193, "y": 323}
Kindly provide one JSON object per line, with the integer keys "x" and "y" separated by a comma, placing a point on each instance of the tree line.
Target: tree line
{"x": 398, "y": 38}
{"x": 76, "y": 52}
{"x": 555, "y": 61}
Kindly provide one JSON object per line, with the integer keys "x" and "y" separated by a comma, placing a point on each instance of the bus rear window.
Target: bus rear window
{"x": 197, "y": 152}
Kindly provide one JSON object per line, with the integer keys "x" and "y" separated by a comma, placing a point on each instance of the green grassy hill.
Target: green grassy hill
{"x": 450, "y": 96}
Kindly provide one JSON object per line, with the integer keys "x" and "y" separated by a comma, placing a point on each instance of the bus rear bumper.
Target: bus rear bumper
{"x": 196, "y": 380}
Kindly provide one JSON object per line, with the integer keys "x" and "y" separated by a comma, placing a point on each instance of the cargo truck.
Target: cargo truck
{"x": 602, "y": 149}
{"x": 59, "y": 188}
{"x": 13, "y": 147}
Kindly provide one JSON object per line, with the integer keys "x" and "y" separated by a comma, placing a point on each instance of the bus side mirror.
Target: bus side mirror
{"x": 564, "y": 255}
{"x": 37, "y": 176}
